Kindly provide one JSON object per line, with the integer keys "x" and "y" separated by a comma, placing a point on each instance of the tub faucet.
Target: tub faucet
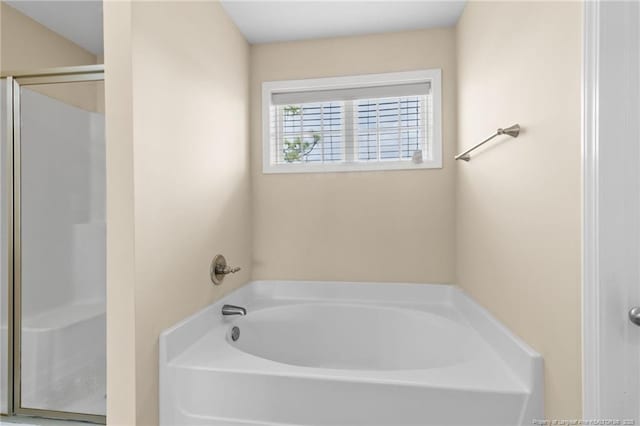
{"x": 233, "y": 310}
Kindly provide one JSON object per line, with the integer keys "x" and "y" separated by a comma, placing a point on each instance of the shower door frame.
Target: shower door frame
{"x": 15, "y": 80}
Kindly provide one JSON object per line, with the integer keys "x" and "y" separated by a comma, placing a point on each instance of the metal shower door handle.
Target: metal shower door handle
{"x": 634, "y": 315}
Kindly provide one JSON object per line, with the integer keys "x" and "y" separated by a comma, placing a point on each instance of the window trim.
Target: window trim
{"x": 434, "y": 76}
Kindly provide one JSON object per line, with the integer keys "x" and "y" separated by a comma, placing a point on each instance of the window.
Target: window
{"x": 370, "y": 122}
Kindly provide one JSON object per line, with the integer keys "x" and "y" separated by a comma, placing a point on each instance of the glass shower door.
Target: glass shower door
{"x": 60, "y": 249}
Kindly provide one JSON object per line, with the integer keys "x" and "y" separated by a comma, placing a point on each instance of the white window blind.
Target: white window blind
{"x": 365, "y": 127}
{"x": 344, "y": 94}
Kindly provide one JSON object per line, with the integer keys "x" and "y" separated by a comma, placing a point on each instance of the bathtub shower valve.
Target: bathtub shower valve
{"x": 219, "y": 269}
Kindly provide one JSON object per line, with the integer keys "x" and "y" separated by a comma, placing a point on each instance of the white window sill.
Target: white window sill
{"x": 349, "y": 167}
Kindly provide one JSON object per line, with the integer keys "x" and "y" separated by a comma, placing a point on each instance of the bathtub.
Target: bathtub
{"x": 327, "y": 353}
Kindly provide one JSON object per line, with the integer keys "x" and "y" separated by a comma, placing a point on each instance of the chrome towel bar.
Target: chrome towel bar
{"x": 512, "y": 131}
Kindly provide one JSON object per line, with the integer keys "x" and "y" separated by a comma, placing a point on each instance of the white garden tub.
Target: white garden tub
{"x": 339, "y": 354}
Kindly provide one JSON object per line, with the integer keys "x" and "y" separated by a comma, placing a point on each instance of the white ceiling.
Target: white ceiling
{"x": 269, "y": 21}
{"x": 263, "y": 21}
{"x": 79, "y": 21}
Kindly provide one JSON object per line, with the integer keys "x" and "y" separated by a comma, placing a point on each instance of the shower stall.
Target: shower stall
{"x": 53, "y": 248}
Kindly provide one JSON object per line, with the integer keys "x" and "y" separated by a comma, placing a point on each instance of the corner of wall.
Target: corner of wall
{"x": 518, "y": 200}
{"x": 121, "y": 339}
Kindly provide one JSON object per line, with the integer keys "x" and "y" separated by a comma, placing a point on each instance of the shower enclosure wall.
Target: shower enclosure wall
{"x": 53, "y": 251}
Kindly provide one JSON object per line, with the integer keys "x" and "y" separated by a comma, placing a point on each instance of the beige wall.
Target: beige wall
{"x": 121, "y": 321}
{"x": 26, "y": 45}
{"x": 177, "y": 131}
{"x": 518, "y": 213}
{"x": 362, "y": 226}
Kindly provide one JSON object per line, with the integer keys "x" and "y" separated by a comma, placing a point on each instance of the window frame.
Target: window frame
{"x": 433, "y": 76}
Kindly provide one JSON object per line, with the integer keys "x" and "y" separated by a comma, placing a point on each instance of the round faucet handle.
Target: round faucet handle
{"x": 219, "y": 269}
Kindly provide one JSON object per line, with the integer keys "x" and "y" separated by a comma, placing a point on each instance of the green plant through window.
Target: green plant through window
{"x": 298, "y": 148}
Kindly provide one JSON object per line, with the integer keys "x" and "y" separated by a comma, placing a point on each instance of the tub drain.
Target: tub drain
{"x": 235, "y": 333}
